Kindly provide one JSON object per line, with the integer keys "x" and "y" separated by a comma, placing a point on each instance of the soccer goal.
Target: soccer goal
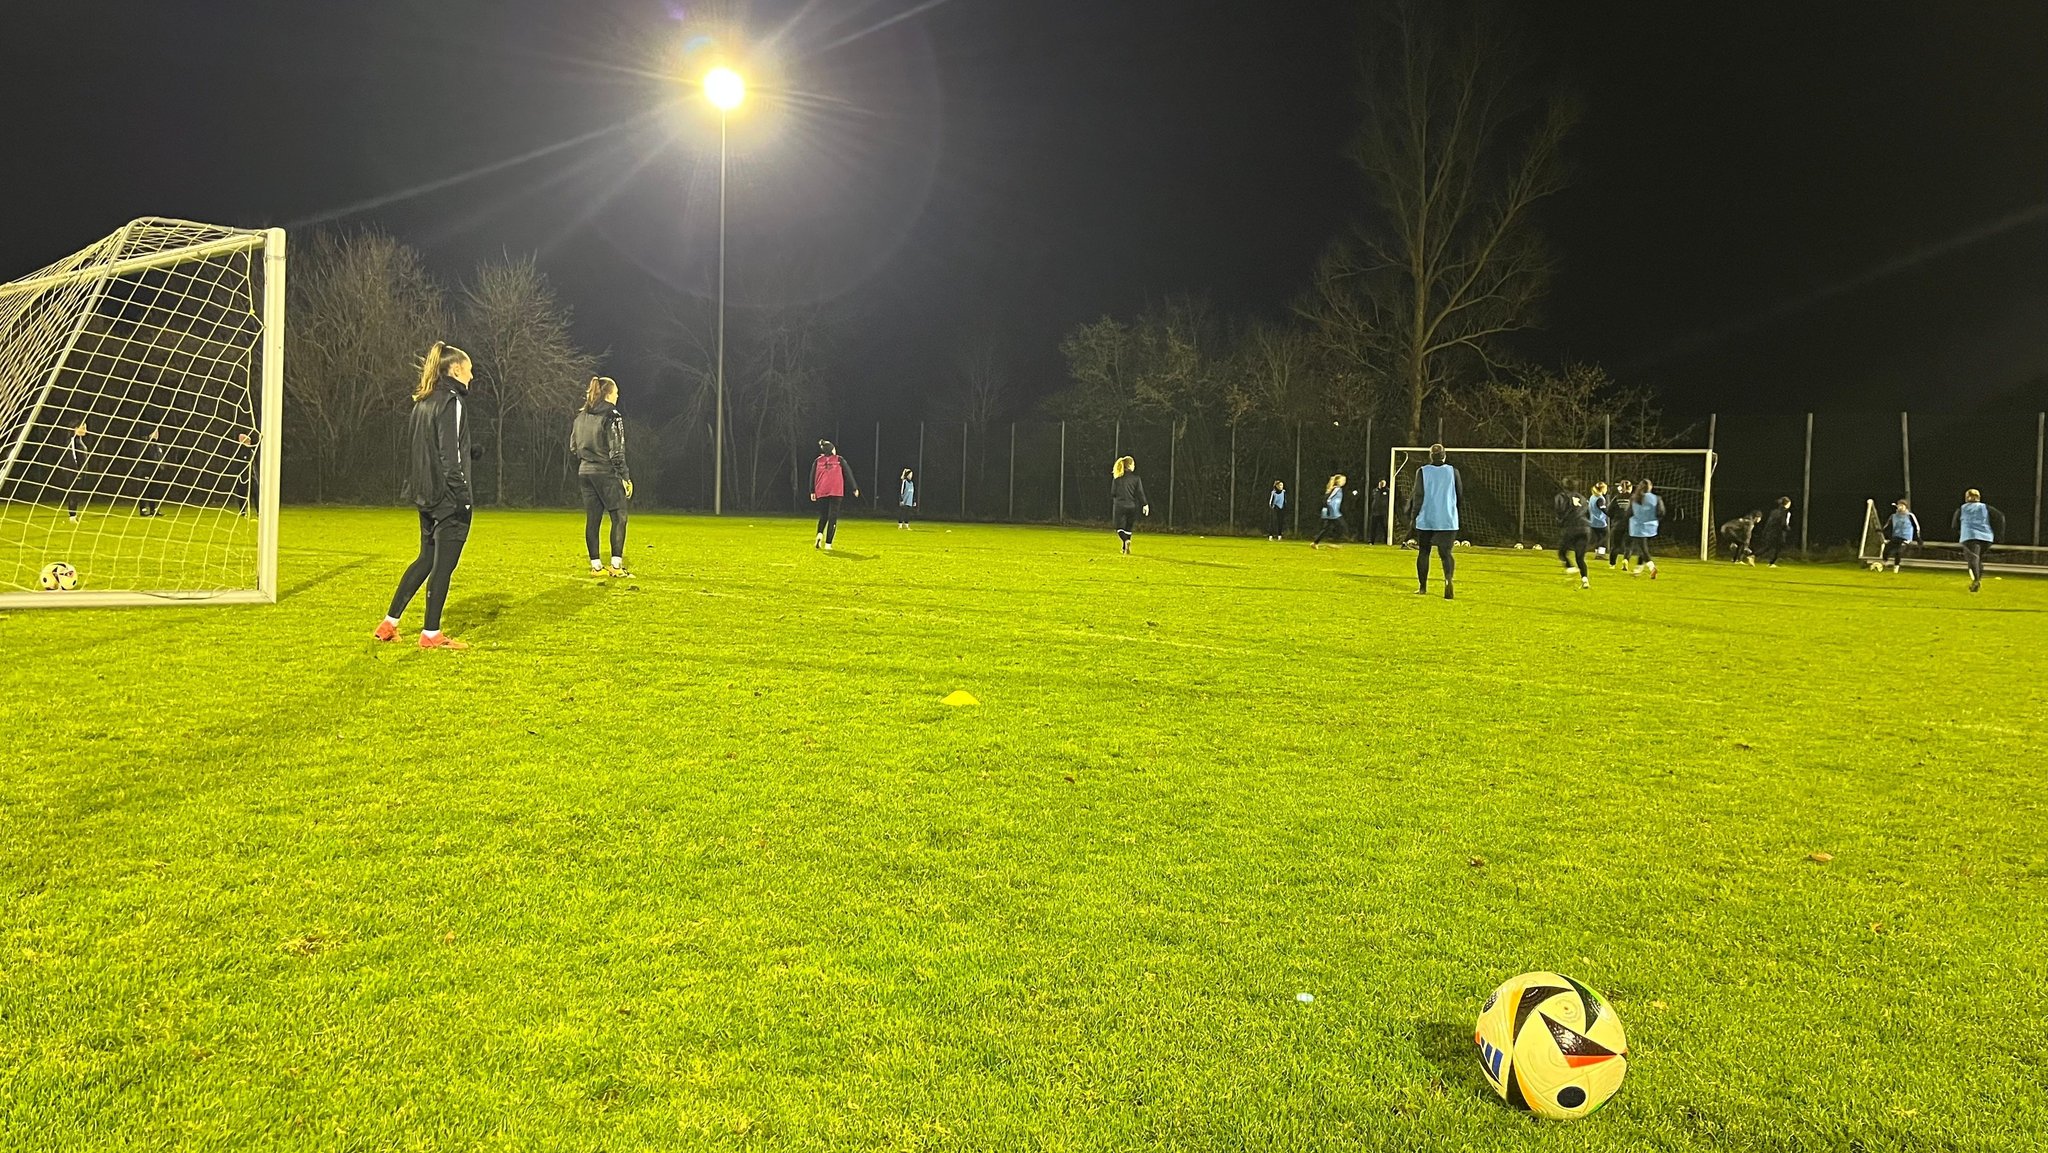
{"x": 140, "y": 389}
{"x": 1509, "y": 491}
{"x": 2017, "y": 559}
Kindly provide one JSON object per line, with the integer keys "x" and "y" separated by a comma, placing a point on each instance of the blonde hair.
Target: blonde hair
{"x": 1973, "y": 496}
{"x": 602, "y": 388}
{"x": 1336, "y": 482}
{"x": 1124, "y": 464}
{"x": 435, "y": 366}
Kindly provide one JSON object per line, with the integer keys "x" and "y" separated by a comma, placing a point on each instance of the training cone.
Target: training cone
{"x": 959, "y": 697}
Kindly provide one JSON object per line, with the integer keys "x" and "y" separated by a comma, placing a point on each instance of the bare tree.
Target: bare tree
{"x": 527, "y": 366}
{"x": 1570, "y": 408}
{"x": 982, "y": 362}
{"x": 362, "y": 310}
{"x": 1458, "y": 148}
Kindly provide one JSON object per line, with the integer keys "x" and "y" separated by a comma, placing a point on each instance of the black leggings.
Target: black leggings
{"x": 903, "y": 512}
{"x": 1774, "y": 546}
{"x": 602, "y": 496}
{"x": 1973, "y": 552}
{"x": 1639, "y": 550}
{"x": 1330, "y": 526}
{"x": 441, "y": 542}
{"x": 1126, "y": 521}
{"x": 1426, "y": 540}
{"x": 1276, "y": 522}
{"x": 1571, "y": 549}
{"x": 828, "y": 517}
{"x": 1894, "y": 550}
{"x": 1617, "y": 543}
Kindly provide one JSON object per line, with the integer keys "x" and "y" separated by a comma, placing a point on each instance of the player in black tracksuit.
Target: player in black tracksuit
{"x": 1574, "y": 532}
{"x": 597, "y": 439}
{"x": 154, "y": 457}
{"x": 1619, "y": 508}
{"x": 1776, "y": 531}
{"x": 438, "y": 483}
{"x": 1127, "y": 499}
{"x": 72, "y": 465}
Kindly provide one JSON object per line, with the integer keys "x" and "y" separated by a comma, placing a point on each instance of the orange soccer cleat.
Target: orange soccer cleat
{"x": 441, "y": 641}
{"x": 386, "y": 631}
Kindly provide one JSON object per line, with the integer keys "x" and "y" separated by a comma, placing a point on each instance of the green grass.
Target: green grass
{"x": 700, "y": 861}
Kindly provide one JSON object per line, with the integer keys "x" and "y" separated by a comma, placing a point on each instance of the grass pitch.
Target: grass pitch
{"x": 698, "y": 860}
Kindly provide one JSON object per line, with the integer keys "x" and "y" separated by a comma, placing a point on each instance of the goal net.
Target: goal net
{"x": 140, "y": 384}
{"x": 1510, "y": 492}
{"x": 1939, "y": 554}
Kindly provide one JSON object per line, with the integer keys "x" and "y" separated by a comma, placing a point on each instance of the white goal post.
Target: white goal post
{"x": 1508, "y": 491}
{"x": 2014, "y": 559}
{"x": 141, "y": 393}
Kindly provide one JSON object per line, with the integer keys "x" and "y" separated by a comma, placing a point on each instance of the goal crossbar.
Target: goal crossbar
{"x": 1708, "y": 460}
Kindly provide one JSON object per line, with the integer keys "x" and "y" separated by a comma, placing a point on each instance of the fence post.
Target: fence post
{"x": 1297, "y": 478}
{"x": 1365, "y": 506}
{"x": 1233, "y": 478}
{"x": 920, "y": 450}
{"x": 1172, "y": 458}
{"x": 963, "y": 470}
{"x": 1522, "y": 496}
{"x": 2040, "y": 443}
{"x": 1013, "y": 470}
{"x": 1806, "y": 494}
{"x": 1063, "y": 472}
{"x": 1906, "y": 454}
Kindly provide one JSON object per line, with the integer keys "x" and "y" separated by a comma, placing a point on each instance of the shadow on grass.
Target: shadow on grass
{"x": 499, "y": 617}
{"x": 1448, "y": 1046}
{"x": 323, "y": 576}
{"x": 842, "y": 555}
{"x": 1194, "y": 563}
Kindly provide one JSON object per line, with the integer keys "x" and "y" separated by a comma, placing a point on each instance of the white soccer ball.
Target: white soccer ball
{"x": 58, "y": 577}
{"x": 1876, "y": 566}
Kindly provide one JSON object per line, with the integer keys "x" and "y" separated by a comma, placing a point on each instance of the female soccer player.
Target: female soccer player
{"x": 1127, "y": 499}
{"x": 1596, "y": 517}
{"x": 597, "y": 439}
{"x": 1644, "y": 512}
{"x": 71, "y": 467}
{"x": 1574, "y": 532}
{"x": 152, "y": 475}
{"x": 1900, "y": 529}
{"x": 906, "y": 499}
{"x": 1977, "y": 525}
{"x": 438, "y": 483}
{"x": 1777, "y": 530}
{"x": 1333, "y": 512}
{"x": 1376, "y": 514}
{"x": 831, "y": 477}
{"x": 1619, "y": 510}
{"x": 1739, "y": 535}
{"x": 1276, "y": 510}
{"x": 1433, "y": 507}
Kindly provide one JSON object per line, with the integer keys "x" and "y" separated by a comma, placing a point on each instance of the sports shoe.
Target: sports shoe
{"x": 819, "y": 542}
{"x": 386, "y": 631}
{"x": 1572, "y": 572}
{"x": 1584, "y": 583}
{"x": 1653, "y": 572}
{"x": 1447, "y": 590}
{"x": 1975, "y": 585}
{"x": 1774, "y": 564}
{"x": 619, "y": 573}
{"x": 1422, "y": 592}
{"x": 828, "y": 546}
{"x": 1750, "y": 561}
{"x": 441, "y": 641}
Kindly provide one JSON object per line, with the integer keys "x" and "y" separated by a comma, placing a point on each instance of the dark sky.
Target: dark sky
{"x": 1775, "y": 205}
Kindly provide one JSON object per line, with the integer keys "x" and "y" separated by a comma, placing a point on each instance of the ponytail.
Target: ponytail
{"x": 435, "y": 366}
{"x": 598, "y": 393}
{"x": 1124, "y": 464}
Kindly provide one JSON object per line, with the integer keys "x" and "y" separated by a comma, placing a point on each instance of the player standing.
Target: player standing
{"x": 438, "y": 482}
{"x": 1777, "y": 530}
{"x": 1127, "y": 499}
{"x": 1645, "y": 511}
{"x": 597, "y": 439}
{"x": 1977, "y": 525}
{"x": 1574, "y": 531}
{"x": 1619, "y": 509}
{"x": 831, "y": 477}
{"x": 1276, "y": 510}
{"x": 1333, "y": 512}
{"x": 1900, "y": 529}
{"x": 244, "y": 454}
{"x": 1433, "y": 506}
{"x": 72, "y": 465}
{"x": 153, "y": 458}
{"x": 906, "y": 498}
{"x": 1376, "y": 512}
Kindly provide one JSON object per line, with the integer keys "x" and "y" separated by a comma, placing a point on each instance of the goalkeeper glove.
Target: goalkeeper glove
{"x": 629, "y": 490}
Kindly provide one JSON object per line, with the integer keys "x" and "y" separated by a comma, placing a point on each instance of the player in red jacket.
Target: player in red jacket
{"x": 831, "y": 479}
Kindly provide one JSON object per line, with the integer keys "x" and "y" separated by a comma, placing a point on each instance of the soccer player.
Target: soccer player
{"x": 1900, "y": 529}
{"x": 1738, "y": 534}
{"x": 153, "y": 456}
{"x": 597, "y": 439}
{"x": 1376, "y": 514}
{"x": 831, "y": 477}
{"x": 1645, "y": 511}
{"x": 1574, "y": 531}
{"x": 438, "y": 482}
{"x": 245, "y": 477}
{"x": 1777, "y": 530}
{"x": 1977, "y": 525}
{"x": 1333, "y": 512}
{"x": 72, "y": 465}
{"x": 1619, "y": 509}
{"x": 906, "y": 499}
{"x": 1433, "y": 506}
{"x": 1127, "y": 499}
{"x": 1596, "y": 517}
{"x": 1276, "y": 510}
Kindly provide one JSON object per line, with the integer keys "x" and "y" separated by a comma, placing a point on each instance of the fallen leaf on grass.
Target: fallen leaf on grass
{"x": 1477, "y": 862}
{"x": 1820, "y": 858}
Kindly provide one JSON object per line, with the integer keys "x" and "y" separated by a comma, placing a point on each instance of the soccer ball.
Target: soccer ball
{"x": 1876, "y": 566}
{"x": 58, "y": 577}
{"x": 1551, "y": 1045}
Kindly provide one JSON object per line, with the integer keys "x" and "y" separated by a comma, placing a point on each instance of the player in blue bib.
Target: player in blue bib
{"x": 1977, "y": 526}
{"x": 1433, "y": 503}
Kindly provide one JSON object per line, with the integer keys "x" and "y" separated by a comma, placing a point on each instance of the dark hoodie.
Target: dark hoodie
{"x": 1127, "y": 491}
{"x": 598, "y": 441}
{"x": 438, "y": 482}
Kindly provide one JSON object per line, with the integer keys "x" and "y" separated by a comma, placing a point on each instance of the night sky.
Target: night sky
{"x": 1776, "y": 206}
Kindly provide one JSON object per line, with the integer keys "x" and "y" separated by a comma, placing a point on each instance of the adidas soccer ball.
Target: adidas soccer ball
{"x": 1551, "y": 1045}
{"x": 58, "y": 577}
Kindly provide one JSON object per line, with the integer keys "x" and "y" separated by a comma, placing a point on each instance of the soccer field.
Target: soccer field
{"x": 699, "y": 860}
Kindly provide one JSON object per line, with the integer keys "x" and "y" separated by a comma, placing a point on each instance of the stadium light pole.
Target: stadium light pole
{"x": 725, "y": 89}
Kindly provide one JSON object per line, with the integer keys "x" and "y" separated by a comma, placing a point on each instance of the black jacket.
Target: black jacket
{"x": 1777, "y": 523}
{"x": 598, "y": 442}
{"x": 438, "y": 481}
{"x": 1571, "y": 511}
{"x": 1127, "y": 491}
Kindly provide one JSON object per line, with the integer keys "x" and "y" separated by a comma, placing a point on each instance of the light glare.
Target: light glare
{"x": 724, "y": 88}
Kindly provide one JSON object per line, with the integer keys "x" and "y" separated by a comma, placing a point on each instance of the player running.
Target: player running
{"x": 1596, "y": 517}
{"x": 438, "y": 483}
{"x": 831, "y": 477}
{"x": 1574, "y": 531}
{"x": 1127, "y": 499}
{"x": 1900, "y": 529}
{"x": 906, "y": 498}
{"x": 1977, "y": 525}
{"x": 1433, "y": 506}
{"x": 1333, "y": 512}
{"x": 1619, "y": 509}
{"x": 1645, "y": 511}
{"x": 1777, "y": 530}
{"x": 1276, "y": 510}
{"x": 597, "y": 439}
